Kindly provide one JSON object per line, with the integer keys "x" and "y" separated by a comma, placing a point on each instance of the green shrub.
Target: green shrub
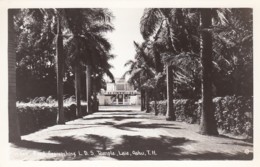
{"x": 161, "y": 107}
{"x": 233, "y": 113}
{"x": 185, "y": 110}
{"x": 35, "y": 116}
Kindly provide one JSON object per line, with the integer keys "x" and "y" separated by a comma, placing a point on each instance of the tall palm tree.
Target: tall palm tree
{"x": 182, "y": 30}
{"x": 99, "y": 71}
{"x": 58, "y": 16}
{"x": 96, "y": 65}
{"x": 60, "y": 69}
{"x": 133, "y": 65}
{"x": 142, "y": 72}
{"x": 14, "y": 128}
{"x": 75, "y": 51}
{"x": 208, "y": 122}
{"x": 204, "y": 16}
{"x": 87, "y": 26}
{"x": 77, "y": 24}
{"x": 153, "y": 24}
{"x": 98, "y": 52}
{"x": 170, "y": 116}
{"x": 187, "y": 69}
{"x": 89, "y": 88}
{"x": 232, "y": 54}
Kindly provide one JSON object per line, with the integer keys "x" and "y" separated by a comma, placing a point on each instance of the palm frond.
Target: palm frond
{"x": 141, "y": 54}
{"x": 149, "y": 22}
{"x": 110, "y": 75}
{"x": 100, "y": 28}
{"x": 129, "y": 62}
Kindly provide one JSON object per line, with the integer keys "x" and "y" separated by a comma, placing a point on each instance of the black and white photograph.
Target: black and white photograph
{"x": 138, "y": 84}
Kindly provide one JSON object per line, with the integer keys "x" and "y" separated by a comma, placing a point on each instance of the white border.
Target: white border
{"x": 5, "y": 4}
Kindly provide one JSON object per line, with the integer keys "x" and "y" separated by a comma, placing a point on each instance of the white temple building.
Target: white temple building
{"x": 119, "y": 93}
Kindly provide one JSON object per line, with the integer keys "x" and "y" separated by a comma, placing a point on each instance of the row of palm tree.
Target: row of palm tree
{"x": 79, "y": 36}
{"x": 181, "y": 43}
{"x": 88, "y": 46}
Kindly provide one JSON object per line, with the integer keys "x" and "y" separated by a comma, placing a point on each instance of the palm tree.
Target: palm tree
{"x": 75, "y": 51}
{"x": 58, "y": 16}
{"x": 87, "y": 26}
{"x": 99, "y": 71}
{"x": 77, "y": 25}
{"x": 153, "y": 24}
{"x": 187, "y": 69}
{"x": 142, "y": 72}
{"x": 96, "y": 64}
{"x": 98, "y": 49}
{"x": 60, "y": 70}
{"x": 180, "y": 33}
{"x": 133, "y": 65}
{"x": 221, "y": 19}
{"x": 233, "y": 53}
{"x": 14, "y": 128}
{"x": 89, "y": 88}
{"x": 170, "y": 115}
{"x": 208, "y": 122}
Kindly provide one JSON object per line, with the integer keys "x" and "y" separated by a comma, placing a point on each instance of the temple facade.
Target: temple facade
{"x": 119, "y": 93}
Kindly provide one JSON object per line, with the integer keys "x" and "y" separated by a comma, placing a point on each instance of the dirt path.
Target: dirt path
{"x": 126, "y": 135}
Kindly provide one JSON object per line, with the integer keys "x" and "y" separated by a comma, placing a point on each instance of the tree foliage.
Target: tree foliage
{"x": 83, "y": 30}
{"x": 172, "y": 37}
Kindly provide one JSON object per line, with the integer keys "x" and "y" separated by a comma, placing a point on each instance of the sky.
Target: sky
{"x": 127, "y": 30}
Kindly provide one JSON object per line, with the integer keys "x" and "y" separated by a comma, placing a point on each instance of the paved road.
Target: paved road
{"x": 126, "y": 134}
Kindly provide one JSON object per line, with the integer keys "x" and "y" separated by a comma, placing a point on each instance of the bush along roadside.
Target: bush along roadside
{"x": 35, "y": 116}
{"x": 234, "y": 114}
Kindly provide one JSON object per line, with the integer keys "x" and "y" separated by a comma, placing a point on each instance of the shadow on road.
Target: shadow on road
{"x": 162, "y": 147}
{"x": 86, "y": 145}
{"x": 137, "y": 125}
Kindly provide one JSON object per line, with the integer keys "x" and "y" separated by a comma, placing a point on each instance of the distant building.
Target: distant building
{"x": 119, "y": 93}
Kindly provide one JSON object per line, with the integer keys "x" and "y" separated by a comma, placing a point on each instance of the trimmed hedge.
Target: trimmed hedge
{"x": 161, "y": 107}
{"x": 33, "y": 117}
{"x": 184, "y": 109}
{"x": 234, "y": 114}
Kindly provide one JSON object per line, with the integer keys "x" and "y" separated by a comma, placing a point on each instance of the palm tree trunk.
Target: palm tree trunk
{"x": 208, "y": 123}
{"x": 142, "y": 101}
{"x": 147, "y": 101}
{"x": 14, "y": 128}
{"x": 170, "y": 114}
{"x": 155, "y": 103}
{"x": 95, "y": 100}
{"x": 78, "y": 88}
{"x": 88, "y": 89}
{"x": 59, "y": 67}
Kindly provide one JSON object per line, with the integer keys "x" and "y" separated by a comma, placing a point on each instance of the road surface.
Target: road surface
{"x": 123, "y": 133}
